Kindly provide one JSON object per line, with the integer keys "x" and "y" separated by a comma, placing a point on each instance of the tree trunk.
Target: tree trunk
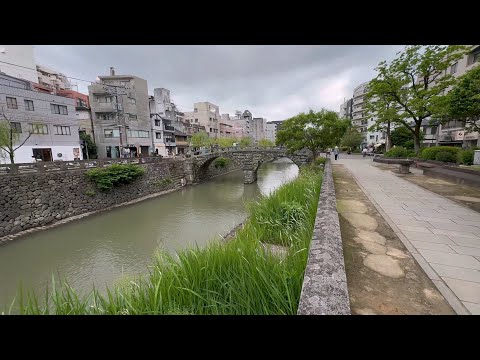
{"x": 388, "y": 143}
{"x": 416, "y": 136}
{"x": 11, "y": 154}
{"x": 314, "y": 154}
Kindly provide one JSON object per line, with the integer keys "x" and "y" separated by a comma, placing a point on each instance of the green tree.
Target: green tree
{"x": 352, "y": 138}
{"x": 412, "y": 84}
{"x": 265, "y": 143}
{"x": 313, "y": 130}
{"x": 223, "y": 142}
{"x": 9, "y": 137}
{"x": 463, "y": 101}
{"x": 91, "y": 147}
{"x": 401, "y": 135}
{"x": 385, "y": 115}
{"x": 200, "y": 139}
{"x": 245, "y": 141}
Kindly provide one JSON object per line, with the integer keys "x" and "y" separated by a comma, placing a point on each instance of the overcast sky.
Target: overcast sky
{"x": 275, "y": 82}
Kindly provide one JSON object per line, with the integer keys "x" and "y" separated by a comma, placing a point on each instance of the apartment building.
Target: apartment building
{"x": 18, "y": 61}
{"x": 52, "y": 79}
{"x": 271, "y": 131}
{"x": 163, "y": 115}
{"x": 346, "y": 109}
{"x": 258, "y": 128}
{"x": 47, "y": 121}
{"x": 453, "y": 133}
{"x": 121, "y": 116}
{"x": 206, "y": 114}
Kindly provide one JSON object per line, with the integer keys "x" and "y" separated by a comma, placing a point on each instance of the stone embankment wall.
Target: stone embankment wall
{"x": 37, "y": 199}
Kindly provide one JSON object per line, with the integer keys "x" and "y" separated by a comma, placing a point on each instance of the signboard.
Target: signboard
{"x": 458, "y": 135}
{"x": 471, "y": 136}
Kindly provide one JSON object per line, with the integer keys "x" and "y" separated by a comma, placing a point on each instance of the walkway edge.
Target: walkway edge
{"x": 324, "y": 289}
{"x": 448, "y": 294}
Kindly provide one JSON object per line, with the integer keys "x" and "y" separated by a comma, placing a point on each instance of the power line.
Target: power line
{"x": 26, "y": 67}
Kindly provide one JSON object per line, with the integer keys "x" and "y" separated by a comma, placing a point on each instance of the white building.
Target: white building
{"x": 271, "y": 131}
{"x": 162, "y": 113}
{"x": 18, "y": 61}
{"x": 52, "y": 79}
{"x": 49, "y": 118}
{"x": 258, "y": 128}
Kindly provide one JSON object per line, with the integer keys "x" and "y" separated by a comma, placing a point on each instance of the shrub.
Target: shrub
{"x": 465, "y": 157}
{"x": 221, "y": 162}
{"x": 446, "y": 156}
{"x": 114, "y": 175}
{"x": 320, "y": 161}
{"x": 399, "y": 152}
{"x": 430, "y": 153}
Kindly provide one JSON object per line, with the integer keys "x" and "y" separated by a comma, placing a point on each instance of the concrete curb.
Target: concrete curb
{"x": 324, "y": 289}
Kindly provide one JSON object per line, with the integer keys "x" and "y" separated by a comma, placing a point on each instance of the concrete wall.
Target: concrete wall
{"x": 21, "y": 55}
{"x": 37, "y": 199}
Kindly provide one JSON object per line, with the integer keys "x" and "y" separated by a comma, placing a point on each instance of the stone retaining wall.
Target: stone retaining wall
{"x": 324, "y": 290}
{"x": 37, "y": 199}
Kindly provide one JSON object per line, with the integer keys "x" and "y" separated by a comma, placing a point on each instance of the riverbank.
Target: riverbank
{"x": 241, "y": 276}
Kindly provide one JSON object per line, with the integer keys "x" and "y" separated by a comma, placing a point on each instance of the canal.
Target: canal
{"x": 102, "y": 248}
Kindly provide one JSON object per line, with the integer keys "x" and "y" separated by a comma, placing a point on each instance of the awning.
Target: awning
{"x": 377, "y": 145}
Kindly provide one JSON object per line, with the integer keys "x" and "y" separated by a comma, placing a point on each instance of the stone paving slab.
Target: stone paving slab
{"x": 443, "y": 236}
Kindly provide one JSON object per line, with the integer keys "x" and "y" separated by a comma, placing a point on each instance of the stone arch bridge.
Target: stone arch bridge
{"x": 247, "y": 160}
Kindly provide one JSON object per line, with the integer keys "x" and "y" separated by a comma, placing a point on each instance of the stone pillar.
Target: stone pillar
{"x": 249, "y": 176}
{"x": 404, "y": 169}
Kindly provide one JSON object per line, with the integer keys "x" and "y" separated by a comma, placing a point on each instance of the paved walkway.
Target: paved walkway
{"x": 443, "y": 236}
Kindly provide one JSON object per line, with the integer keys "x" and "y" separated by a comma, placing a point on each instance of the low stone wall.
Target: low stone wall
{"x": 38, "y": 199}
{"x": 324, "y": 290}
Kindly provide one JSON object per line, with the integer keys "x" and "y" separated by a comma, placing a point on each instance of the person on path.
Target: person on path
{"x": 335, "y": 152}
{"x": 364, "y": 152}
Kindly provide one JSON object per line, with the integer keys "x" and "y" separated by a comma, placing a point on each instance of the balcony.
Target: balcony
{"x": 106, "y": 107}
{"x": 169, "y": 128}
{"x": 181, "y": 143}
{"x": 169, "y": 142}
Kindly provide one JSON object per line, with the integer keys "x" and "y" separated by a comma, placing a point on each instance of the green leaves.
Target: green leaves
{"x": 352, "y": 138}
{"x": 114, "y": 175}
{"x": 313, "y": 130}
{"x": 200, "y": 139}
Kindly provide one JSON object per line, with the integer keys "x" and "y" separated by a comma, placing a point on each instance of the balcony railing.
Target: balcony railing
{"x": 107, "y": 107}
{"x": 169, "y": 128}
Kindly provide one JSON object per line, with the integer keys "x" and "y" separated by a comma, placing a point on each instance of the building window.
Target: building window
{"x": 105, "y": 117}
{"x": 111, "y": 133}
{"x": 59, "y": 109}
{"x": 29, "y": 105}
{"x": 132, "y": 101}
{"x": 62, "y": 130}
{"x": 104, "y": 99}
{"x": 433, "y": 130}
{"x": 40, "y": 129}
{"x": 16, "y": 127}
{"x": 372, "y": 137}
{"x": 195, "y": 110}
{"x": 81, "y": 103}
{"x": 12, "y": 103}
{"x": 196, "y": 120}
{"x": 112, "y": 152}
{"x": 132, "y": 117}
{"x": 158, "y": 123}
{"x": 210, "y": 129}
{"x": 158, "y": 135}
{"x": 453, "y": 69}
{"x": 454, "y": 124}
{"x": 124, "y": 83}
{"x": 474, "y": 56}
{"x": 137, "y": 133}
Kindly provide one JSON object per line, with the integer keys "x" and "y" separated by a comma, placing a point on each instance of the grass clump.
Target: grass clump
{"x": 164, "y": 182}
{"x": 237, "y": 277}
{"x": 114, "y": 175}
{"x": 221, "y": 162}
{"x": 90, "y": 192}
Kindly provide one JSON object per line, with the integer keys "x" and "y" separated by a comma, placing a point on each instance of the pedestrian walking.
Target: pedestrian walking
{"x": 364, "y": 152}
{"x": 335, "y": 152}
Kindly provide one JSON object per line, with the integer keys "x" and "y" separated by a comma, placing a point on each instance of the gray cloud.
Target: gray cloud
{"x": 273, "y": 81}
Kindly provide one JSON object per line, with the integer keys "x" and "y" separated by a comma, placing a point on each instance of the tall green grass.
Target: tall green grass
{"x": 242, "y": 276}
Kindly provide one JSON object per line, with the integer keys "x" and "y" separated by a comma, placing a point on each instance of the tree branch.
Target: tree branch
{"x": 19, "y": 146}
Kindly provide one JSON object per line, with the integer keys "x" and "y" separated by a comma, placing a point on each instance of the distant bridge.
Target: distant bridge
{"x": 249, "y": 160}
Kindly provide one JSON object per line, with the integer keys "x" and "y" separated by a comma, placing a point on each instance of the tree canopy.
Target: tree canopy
{"x": 264, "y": 143}
{"x": 200, "y": 139}
{"x": 313, "y": 130}
{"x": 10, "y": 137}
{"x": 245, "y": 141}
{"x": 411, "y": 85}
{"x": 352, "y": 138}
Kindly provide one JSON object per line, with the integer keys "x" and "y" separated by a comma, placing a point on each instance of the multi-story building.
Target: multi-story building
{"x": 18, "y": 61}
{"x": 181, "y": 140}
{"x": 52, "y": 79}
{"x": 453, "y": 133}
{"x": 164, "y": 116}
{"x": 243, "y": 121}
{"x": 271, "y": 131}
{"x": 258, "y": 128}
{"x": 206, "y": 114}
{"x": 346, "y": 109}
{"x": 226, "y": 129}
{"x": 47, "y": 122}
{"x": 121, "y": 116}
{"x": 82, "y": 111}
